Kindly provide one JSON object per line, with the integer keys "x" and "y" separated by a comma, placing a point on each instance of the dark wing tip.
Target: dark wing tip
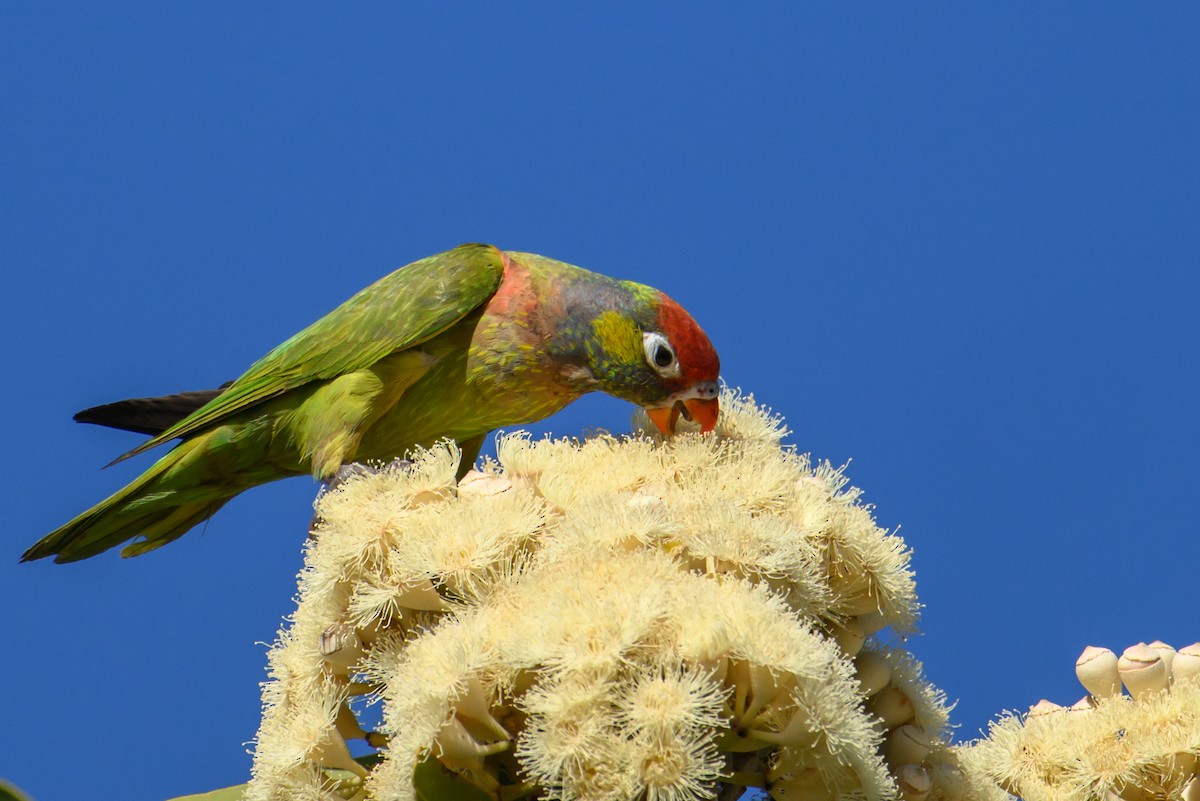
{"x": 116, "y": 415}
{"x": 39, "y": 550}
{"x": 149, "y": 416}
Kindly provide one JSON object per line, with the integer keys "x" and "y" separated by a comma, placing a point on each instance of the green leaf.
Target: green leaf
{"x": 236, "y": 793}
{"x": 434, "y": 783}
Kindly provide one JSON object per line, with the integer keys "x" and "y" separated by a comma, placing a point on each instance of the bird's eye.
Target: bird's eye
{"x": 659, "y": 354}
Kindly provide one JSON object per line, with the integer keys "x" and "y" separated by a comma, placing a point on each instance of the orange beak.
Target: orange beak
{"x": 702, "y": 410}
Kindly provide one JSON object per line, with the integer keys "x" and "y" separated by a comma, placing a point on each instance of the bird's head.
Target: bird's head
{"x": 654, "y": 354}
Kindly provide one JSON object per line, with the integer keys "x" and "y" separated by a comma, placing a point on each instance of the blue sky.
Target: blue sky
{"x": 955, "y": 243}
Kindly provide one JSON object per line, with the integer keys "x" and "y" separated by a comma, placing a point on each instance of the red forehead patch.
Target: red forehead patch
{"x": 697, "y": 358}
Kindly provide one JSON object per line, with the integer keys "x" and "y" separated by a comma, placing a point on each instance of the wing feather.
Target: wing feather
{"x": 399, "y": 311}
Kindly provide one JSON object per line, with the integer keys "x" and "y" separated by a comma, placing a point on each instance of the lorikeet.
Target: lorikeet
{"x": 451, "y": 346}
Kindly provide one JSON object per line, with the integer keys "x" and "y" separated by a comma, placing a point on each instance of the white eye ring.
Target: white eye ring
{"x": 659, "y": 354}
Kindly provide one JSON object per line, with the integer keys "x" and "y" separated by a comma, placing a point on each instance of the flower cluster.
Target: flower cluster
{"x": 1107, "y": 746}
{"x": 608, "y": 618}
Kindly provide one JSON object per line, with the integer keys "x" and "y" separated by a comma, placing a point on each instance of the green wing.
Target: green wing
{"x": 399, "y": 311}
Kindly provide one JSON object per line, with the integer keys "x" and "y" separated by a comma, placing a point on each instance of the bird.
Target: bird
{"x": 450, "y": 347}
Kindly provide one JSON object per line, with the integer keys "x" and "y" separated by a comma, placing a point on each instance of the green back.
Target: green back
{"x": 399, "y": 311}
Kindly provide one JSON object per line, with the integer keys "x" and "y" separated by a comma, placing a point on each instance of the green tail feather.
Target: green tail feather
{"x": 159, "y": 506}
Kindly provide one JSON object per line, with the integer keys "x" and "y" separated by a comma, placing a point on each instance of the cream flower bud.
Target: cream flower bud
{"x": 892, "y": 707}
{"x": 484, "y": 484}
{"x": 849, "y": 636}
{"x": 906, "y": 745}
{"x": 1142, "y": 670}
{"x": 914, "y": 782}
{"x": 1085, "y": 704}
{"x": 873, "y": 672}
{"x": 860, "y": 604}
{"x": 1166, "y": 652}
{"x": 1096, "y": 669}
{"x": 1043, "y": 708}
{"x": 1186, "y": 664}
{"x": 872, "y": 622}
